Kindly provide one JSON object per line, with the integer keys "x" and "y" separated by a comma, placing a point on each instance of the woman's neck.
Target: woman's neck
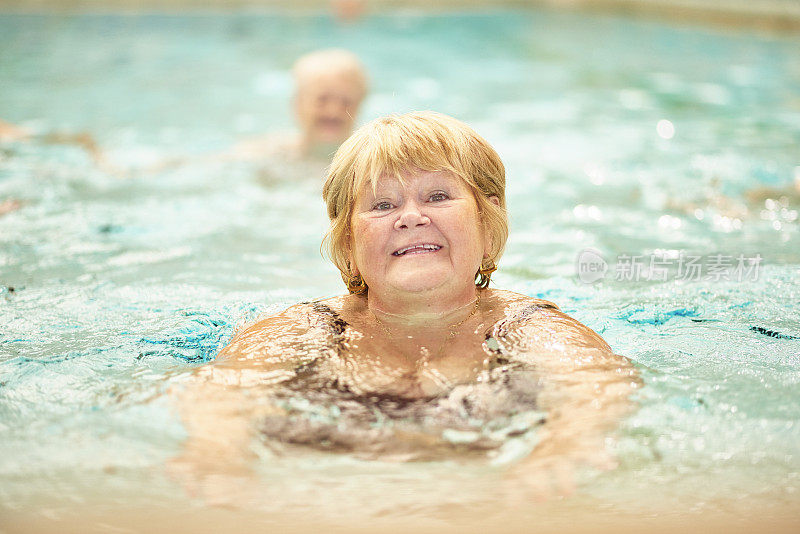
{"x": 423, "y": 310}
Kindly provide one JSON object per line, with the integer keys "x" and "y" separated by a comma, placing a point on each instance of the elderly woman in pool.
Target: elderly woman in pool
{"x": 418, "y": 224}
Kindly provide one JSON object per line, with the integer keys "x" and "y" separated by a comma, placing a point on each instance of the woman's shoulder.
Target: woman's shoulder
{"x": 319, "y": 318}
{"x": 543, "y": 320}
{"x": 516, "y": 303}
{"x": 304, "y": 315}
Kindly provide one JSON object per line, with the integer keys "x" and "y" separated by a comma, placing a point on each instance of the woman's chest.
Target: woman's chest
{"x": 412, "y": 368}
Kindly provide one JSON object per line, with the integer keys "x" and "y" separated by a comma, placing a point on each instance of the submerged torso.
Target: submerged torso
{"x": 336, "y": 380}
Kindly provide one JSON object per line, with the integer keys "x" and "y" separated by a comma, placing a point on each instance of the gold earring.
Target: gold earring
{"x": 355, "y": 284}
{"x": 484, "y": 274}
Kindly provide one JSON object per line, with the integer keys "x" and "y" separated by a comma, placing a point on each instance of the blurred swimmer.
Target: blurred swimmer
{"x": 348, "y": 10}
{"x": 13, "y": 133}
{"x": 330, "y": 85}
{"x": 751, "y": 204}
{"x": 789, "y": 195}
{"x": 9, "y": 205}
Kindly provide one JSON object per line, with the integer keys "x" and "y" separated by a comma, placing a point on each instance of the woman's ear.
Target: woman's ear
{"x": 494, "y": 200}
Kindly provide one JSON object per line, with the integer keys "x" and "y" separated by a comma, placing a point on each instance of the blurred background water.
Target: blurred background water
{"x": 633, "y": 137}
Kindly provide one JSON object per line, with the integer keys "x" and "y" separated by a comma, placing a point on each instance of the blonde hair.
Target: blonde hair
{"x": 425, "y": 140}
{"x": 329, "y": 61}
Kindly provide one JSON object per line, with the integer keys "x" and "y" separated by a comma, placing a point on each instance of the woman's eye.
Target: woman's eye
{"x": 438, "y": 196}
{"x": 382, "y": 205}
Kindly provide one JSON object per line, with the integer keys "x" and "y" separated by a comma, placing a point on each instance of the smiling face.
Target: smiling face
{"x": 398, "y": 146}
{"x": 421, "y": 236}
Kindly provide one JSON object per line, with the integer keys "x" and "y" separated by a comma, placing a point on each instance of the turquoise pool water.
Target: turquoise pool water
{"x": 634, "y": 138}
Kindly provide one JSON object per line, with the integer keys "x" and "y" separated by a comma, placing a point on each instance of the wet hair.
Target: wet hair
{"x": 423, "y": 140}
{"x": 327, "y": 62}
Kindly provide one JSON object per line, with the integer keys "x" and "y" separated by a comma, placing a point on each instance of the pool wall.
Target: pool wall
{"x": 776, "y": 15}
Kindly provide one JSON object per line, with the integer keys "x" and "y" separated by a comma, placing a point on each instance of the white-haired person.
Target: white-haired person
{"x": 420, "y": 345}
{"x": 330, "y": 85}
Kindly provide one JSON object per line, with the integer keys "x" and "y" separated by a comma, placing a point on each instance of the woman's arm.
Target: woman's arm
{"x": 586, "y": 393}
{"x": 221, "y": 403}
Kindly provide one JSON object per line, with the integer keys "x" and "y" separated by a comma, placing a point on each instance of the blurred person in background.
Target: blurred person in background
{"x": 348, "y": 11}
{"x": 747, "y": 205}
{"x": 330, "y": 85}
{"x": 9, "y": 205}
{"x": 788, "y": 194}
{"x": 13, "y": 133}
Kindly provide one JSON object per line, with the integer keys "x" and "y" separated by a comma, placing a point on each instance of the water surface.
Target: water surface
{"x": 618, "y": 135}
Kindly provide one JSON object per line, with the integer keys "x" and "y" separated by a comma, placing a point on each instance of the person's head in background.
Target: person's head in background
{"x": 348, "y": 11}
{"x": 329, "y": 88}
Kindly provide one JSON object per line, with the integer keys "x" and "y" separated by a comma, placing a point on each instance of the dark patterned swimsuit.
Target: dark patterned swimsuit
{"x": 322, "y": 411}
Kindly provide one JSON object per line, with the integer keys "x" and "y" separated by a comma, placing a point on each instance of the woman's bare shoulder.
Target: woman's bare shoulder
{"x": 299, "y": 315}
{"x": 288, "y": 326}
{"x": 518, "y": 301}
{"x": 543, "y": 321}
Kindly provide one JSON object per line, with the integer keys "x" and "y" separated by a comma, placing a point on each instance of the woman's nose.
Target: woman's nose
{"x": 411, "y": 216}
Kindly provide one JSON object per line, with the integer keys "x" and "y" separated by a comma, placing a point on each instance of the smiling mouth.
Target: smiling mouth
{"x": 416, "y": 249}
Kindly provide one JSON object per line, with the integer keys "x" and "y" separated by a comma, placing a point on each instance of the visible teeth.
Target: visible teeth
{"x": 416, "y": 247}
